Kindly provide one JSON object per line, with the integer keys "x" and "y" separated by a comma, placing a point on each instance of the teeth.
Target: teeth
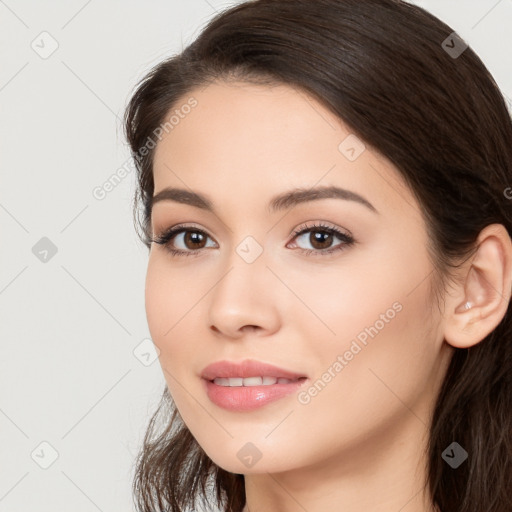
{"x": 249, "y": 381}
{"x": 253, "y": 381}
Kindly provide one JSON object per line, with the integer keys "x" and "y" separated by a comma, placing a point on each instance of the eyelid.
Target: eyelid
{"x": 175, "y": 230}
{"x": 295, "y": 231}
{"x": 185, "y": 226}
{"x": 319, "y": 225}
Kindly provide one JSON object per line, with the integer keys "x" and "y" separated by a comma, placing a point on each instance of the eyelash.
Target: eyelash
{"x": 168, "y": 235}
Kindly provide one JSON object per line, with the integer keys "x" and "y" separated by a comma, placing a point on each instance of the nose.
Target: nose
{"x": 244, "y": 300}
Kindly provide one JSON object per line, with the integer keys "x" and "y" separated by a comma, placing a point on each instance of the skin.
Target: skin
{"x": 359, "y": 443}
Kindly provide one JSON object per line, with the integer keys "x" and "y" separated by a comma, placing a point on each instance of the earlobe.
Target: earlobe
{"x": 482, "y": 297}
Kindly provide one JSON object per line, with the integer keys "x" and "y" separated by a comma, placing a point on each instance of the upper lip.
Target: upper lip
{"x": 245, "y": 369}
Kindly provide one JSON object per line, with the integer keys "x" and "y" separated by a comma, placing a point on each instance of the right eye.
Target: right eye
{"x": 191, "y": 239}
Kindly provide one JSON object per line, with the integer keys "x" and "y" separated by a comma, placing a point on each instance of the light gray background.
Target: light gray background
{"x": 73, "y": 372}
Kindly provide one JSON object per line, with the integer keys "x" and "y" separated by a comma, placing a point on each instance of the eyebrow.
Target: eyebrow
{"x": 282, "y": 201}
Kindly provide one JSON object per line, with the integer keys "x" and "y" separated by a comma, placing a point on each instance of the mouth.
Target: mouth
{"x": 248, "y": 385}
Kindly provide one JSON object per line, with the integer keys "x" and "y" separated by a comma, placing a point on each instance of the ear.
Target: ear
{"x": 482, "y": 296}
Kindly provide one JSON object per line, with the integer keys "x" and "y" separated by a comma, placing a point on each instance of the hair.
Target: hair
{"x": 381, "y": 68}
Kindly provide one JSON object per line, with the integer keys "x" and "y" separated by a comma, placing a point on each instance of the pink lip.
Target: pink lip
{"x": 248, "y": 398}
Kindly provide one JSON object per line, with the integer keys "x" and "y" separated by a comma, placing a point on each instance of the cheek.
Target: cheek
{"x": 168, "y": 297}
{"x": 157, "y": 302}
{"x": 376, "y": 318}
{"x": 379, "y": 381}
{"x": 175, "y": 309}
{"x": 339, "y": 303}
{"x": 386, "y": 351}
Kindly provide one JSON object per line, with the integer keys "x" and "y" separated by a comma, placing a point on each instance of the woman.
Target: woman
{"x": 325, "y": 192}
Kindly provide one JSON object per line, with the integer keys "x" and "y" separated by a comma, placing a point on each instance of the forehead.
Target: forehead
{"x": 263, "y": 120}
{"x": 242, "y": 139}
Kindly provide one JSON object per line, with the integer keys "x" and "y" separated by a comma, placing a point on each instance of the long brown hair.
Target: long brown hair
{"x": 407, "y": 86}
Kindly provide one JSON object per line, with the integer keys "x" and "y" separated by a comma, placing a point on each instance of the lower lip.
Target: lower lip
{"x": 249, "y": 398}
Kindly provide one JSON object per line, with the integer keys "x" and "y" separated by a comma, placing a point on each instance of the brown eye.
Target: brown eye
{"x": 190, "y": 240}
{"x": 194, "y": 239}
{"x": 321, "y": 237}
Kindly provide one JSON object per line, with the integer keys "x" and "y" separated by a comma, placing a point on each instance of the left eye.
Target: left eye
{"x": 320, "y": 238}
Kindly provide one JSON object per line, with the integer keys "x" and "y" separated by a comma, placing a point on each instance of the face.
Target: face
{"x": 333, "y": 289}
